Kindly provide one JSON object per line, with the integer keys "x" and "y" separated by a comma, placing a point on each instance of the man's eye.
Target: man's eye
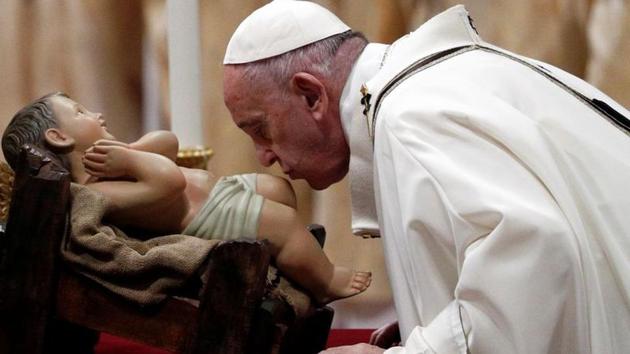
{"x": 259, "y": 132}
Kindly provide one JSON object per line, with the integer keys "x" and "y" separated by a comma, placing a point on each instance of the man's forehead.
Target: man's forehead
{"x": 236, "y": 88}
{"x": 233, "y": 76}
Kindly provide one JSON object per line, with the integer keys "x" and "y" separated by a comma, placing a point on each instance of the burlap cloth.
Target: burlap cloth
{"x": 148, "y": 270}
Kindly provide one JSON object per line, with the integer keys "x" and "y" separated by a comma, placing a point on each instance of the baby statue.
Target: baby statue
{"x": 147, "y": 190}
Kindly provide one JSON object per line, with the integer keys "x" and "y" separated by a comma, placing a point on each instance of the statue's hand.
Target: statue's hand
{"x": 108, "y": 161}
{"x": 107, "y": 142}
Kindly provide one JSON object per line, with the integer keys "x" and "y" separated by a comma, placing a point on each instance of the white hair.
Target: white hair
{"x": 314, "y": 58}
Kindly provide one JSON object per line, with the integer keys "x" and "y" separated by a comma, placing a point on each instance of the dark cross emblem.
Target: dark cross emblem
{"x": 365, "y": 101}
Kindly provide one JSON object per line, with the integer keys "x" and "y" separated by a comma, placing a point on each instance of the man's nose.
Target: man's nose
{"x": 265, "y": 156}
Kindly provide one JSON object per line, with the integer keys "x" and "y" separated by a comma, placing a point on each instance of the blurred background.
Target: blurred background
{"x": 112, "y": 56}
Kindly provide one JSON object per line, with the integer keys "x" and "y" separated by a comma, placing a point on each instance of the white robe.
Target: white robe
{"x": 502, "y": 202}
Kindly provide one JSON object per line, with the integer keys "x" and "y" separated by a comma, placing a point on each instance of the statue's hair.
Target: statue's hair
{"x": 314, "y": 58}
{"x": 28, "y": 127}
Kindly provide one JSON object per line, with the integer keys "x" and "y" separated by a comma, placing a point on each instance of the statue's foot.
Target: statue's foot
{"x": 345, "y": 283}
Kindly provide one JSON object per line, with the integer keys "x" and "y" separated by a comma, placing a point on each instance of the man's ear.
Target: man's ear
{"x": 57, "y": 139}
{"x": 312, "y": 91}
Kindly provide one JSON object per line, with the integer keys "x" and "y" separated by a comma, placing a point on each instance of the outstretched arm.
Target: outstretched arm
{"x": 138, "y": 179}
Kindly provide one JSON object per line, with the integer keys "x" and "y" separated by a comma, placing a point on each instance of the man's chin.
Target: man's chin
{"x": 318, "y": 187}
{"x": 323, "y": 183}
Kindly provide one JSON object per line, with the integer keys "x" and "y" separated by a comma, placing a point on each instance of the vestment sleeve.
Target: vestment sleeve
{"x": 479, "y": 252}
{"x": 447, "y": 334}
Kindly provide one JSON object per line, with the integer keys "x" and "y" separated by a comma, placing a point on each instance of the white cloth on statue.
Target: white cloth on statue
{"x": 502, "y": 202}
{"x": 364, "y": 218}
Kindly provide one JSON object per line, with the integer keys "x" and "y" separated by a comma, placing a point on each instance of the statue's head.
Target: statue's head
{"x": 29, "y": 126}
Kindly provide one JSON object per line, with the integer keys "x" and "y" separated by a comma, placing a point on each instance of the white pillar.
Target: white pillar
{"x": 185, "y": 71}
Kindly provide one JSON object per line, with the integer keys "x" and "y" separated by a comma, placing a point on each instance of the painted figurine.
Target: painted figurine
{"x": 148, "y": 190}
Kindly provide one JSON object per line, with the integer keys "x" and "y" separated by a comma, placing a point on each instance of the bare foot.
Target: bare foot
{"x": 345, "y": 283}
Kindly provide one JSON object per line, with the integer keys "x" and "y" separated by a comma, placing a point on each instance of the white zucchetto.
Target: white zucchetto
{"x": 279, "y": 27}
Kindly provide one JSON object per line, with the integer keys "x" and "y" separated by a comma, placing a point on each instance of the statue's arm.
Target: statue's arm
{"x": 162, "y": 142}
{"x": 133, "y": 179}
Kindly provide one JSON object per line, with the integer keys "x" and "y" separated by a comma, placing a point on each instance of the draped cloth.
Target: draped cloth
{"x": 231, "y": 211}
{"x": 148, "y": 270}
{"x": 144, "y": 271}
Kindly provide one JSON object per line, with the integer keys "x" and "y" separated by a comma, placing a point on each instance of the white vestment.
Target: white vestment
{"x": 502, "y": 200}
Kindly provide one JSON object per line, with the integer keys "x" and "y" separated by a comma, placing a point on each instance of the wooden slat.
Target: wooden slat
{"x": 30, "y": 253}
{"x": 237, "y": 273}
{"x": 310, "y": 334}
{"x": 85, "y": 303}
{"x": 234, "y": 289}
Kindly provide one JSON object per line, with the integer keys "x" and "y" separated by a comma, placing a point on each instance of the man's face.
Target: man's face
{"x": 83, "y": 126}
{"x": 283, "y": 130}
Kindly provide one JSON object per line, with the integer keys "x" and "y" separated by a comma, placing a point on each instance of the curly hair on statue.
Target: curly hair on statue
{"x": 28, "y": 126}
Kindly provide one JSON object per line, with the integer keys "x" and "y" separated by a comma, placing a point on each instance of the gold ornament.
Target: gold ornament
{"x": 196, "y": 157}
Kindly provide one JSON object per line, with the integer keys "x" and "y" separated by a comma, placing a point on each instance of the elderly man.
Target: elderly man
{"x": 500, "y": 182}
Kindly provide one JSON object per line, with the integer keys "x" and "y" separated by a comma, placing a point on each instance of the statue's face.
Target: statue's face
{"x": 76, "y": 121}
{"x": 284, "y": 131}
